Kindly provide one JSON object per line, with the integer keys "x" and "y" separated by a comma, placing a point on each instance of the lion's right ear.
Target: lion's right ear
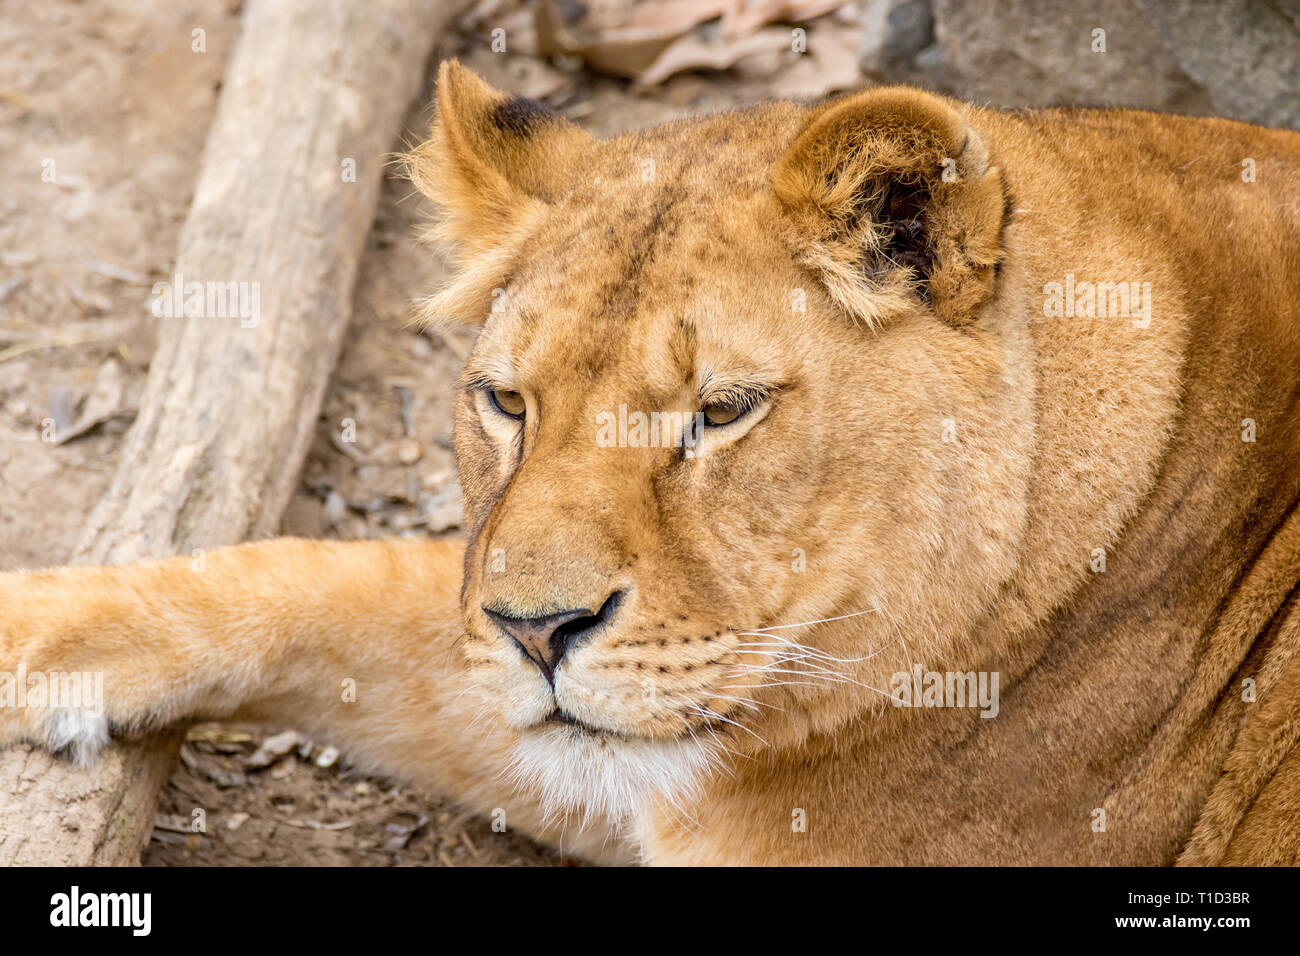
{"x": 491, "y": 161}
{"x": 896, "y": 204}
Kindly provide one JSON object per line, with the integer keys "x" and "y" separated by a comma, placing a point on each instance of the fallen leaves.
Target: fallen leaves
{"x": 810, "y": 55}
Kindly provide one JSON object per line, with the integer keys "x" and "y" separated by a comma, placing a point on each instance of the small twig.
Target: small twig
{"x": 24, "y": 347}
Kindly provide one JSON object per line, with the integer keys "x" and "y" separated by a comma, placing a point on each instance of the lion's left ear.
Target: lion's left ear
{"x": 895, "y": 201}
{"x": 490, "y": 160}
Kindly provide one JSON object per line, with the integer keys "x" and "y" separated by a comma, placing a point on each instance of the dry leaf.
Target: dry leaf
{"x": 104, "y": 402}
{"x": 693, "y": 53}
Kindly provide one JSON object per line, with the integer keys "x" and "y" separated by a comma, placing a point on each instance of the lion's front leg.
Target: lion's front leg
{"x": 275, "y": 626}
{"x": 353, "y": 642}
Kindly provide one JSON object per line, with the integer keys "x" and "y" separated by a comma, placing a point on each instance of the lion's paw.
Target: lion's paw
{"x": 81, "y": 734}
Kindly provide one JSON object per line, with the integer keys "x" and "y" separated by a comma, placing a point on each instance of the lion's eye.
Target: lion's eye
{"x": 721, "y": 413}
{"x": 508, "y": 403}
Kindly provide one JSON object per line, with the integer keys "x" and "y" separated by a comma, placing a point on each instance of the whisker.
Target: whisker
{"x": 827, "y": 677}
{"x": 899, "y": 631}
{"x": 723, "y": 748}
{"x": 825, "y": 620}
{"x": 809, "y": 651}
{"x": 748, "y": 703}
{"x": 705, "y": 712}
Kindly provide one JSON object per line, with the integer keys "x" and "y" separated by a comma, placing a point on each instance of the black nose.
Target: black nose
{"x": 546, "y": 638}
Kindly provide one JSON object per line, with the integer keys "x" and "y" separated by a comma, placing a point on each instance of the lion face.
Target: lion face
{"x": 735, "y": 440}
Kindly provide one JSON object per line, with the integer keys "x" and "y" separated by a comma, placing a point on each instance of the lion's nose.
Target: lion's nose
{"x": 546, "y": 638}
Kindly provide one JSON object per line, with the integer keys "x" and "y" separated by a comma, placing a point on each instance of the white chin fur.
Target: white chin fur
{"x": 575, "y": 772}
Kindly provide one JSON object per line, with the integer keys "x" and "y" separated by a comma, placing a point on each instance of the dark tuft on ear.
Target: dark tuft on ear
{"x": 489, "y": 156}
{"x": 521, "y": 116}
{"x": 492, "y": 164}
{"x": 895, "y": 204}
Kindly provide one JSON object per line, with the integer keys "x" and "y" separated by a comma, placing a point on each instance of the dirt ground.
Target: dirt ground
{"x": 104, "y": 109}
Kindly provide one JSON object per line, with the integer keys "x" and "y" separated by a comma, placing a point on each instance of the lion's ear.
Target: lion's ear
{"x": 895, "y": 201}
{"x": 491, "y": 158}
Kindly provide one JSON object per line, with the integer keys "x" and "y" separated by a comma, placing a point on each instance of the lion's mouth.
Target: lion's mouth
{"x": 560, "y": 716}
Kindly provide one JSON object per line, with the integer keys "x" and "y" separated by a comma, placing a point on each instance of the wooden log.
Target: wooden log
{"x": 313, "y": 89}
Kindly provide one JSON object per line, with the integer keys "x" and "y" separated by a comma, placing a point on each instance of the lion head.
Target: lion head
{"x": 744, "y": 432}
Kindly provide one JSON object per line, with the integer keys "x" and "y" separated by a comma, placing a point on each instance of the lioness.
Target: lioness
{"x": 778, "y": 420}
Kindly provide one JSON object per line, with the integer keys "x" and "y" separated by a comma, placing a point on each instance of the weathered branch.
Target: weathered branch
{"x": 312, "y": 90}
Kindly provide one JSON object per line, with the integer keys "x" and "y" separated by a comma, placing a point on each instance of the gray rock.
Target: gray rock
{"x": 1036, "y": 53}
{"x": 1234, "y": 58}
{"x": 1244, "y": 53}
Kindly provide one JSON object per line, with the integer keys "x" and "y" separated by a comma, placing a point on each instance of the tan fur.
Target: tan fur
{"x": 937, "y": 466}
